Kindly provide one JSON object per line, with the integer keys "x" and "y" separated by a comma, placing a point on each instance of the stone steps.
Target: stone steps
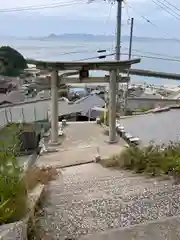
{"x": 90, "y": 199}
{"x": 168, "y": 228}
{"x": 124, "y": 189}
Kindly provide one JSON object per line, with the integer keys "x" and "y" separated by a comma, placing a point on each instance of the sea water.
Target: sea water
{"x": 58, "y": 50}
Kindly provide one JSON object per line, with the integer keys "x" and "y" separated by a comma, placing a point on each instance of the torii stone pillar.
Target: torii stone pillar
{"x": 54, "y": 108}
{"x": 112, "y": 107}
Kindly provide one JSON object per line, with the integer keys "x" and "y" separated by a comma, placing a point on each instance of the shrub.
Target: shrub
{"x": 9, "y": 140}
{"x": 111, "y": 162}
{"x": 13, "y": 196}
{"x": 152, "y": 159}
{"x": 106, "y": 120}
{"x": 13, "y": 183}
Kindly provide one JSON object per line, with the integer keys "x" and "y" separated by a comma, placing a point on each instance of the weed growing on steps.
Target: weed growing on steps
{"x": 153, "y": 160}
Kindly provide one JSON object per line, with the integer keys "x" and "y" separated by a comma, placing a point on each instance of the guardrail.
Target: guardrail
{"x": 25, "y": 114}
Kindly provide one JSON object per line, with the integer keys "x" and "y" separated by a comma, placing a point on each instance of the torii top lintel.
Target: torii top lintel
{"x": 75, "y": 65}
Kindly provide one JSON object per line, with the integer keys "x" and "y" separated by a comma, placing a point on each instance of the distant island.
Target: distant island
{"x": 91, "y": 37}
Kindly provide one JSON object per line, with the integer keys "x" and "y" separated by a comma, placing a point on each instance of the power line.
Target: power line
{"x": 155, "y": 54}
{"x": 127, "y": 12}
{"x": 60, "y": 4}
{"x": 108, "y": 17}
{"x": 165, "y": 56}
{"x": 136, "y": 55}
{"x": 155, "y": 58}
{"x": 148, "y": 20}
{"x": 142, "y": 16}
{"x": 167, "y": 9}
{"x": 175, "y": 7}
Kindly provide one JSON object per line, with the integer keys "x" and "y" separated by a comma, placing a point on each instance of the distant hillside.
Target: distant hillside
{"x": 91, "y": 37}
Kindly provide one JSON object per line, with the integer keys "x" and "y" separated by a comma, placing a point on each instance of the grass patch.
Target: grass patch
{"x": 143, "y": 109}
{"x": 153, "y": 160}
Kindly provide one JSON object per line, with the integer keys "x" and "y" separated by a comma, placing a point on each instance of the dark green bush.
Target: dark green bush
{"x": 12, "y": 62}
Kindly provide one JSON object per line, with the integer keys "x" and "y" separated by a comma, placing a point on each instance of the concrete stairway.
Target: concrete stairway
{"x": 90, "y": 199}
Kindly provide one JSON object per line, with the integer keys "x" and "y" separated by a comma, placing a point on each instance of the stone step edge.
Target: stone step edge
{"x": 136, "y": 227}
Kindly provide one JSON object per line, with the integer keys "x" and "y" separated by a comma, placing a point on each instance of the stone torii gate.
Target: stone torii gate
{"x": 110, "y": 66}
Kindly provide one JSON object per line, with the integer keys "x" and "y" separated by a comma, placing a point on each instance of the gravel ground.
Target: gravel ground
{"x": 83, "y": 203}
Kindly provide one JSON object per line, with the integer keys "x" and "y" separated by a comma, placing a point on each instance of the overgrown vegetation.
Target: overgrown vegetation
{"x": 143, "y": 109}
{"x": 12, "y": 63}
{"x": 153, "y": 160}
{"x": 13, "y": 194}
{"x": 129, "y": 112}
{"x": 104, "y": 118}
{"x": 14, "y": 182}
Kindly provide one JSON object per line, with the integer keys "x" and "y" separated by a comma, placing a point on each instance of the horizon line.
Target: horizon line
{"x": 85, "y": 35}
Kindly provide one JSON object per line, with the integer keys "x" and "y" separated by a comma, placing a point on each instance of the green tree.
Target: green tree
{"x": 12, "y": 63}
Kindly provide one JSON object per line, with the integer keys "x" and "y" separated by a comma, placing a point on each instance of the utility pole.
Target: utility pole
{"x": 118, "y": 30}
{"x": 118, "y": 44}
{"x": 112, "y": 107}
{"x": 129, "y": 57}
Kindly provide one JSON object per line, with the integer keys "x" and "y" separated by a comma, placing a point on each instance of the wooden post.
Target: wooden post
{"x": 112, "y": 107}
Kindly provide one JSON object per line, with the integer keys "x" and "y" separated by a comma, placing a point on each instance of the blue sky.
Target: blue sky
{"x": 80, "y": 17}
